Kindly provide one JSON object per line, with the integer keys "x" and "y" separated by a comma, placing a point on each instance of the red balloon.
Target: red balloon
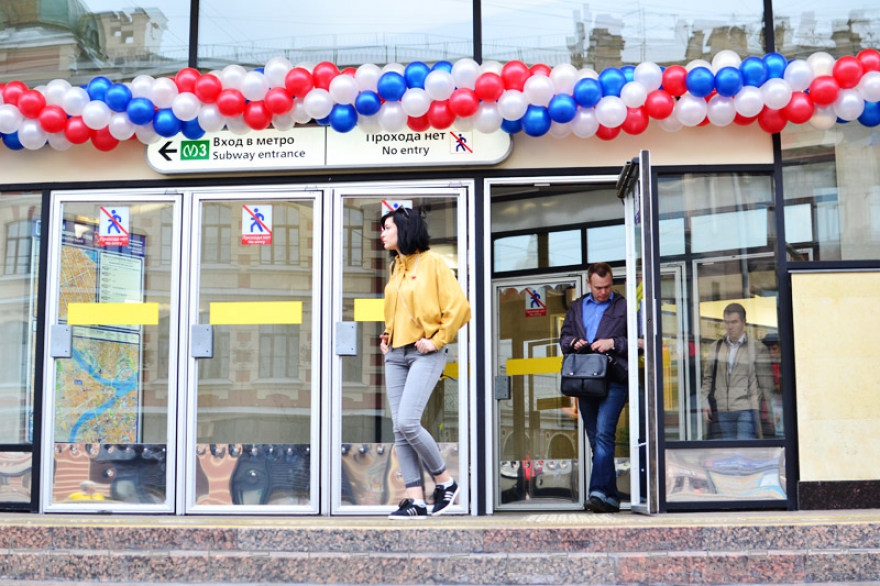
{"x": 186, "y": 79}
{"x": 53, "y": 119}
{"x": 278, "y": 101}
{"x": 515, "y": 73}
{"x": 705, "y": 122}
{"x": 489, "y": 87}
{"x": 771, "y": 121}
{"x": 31, "y": 103}
{"x": 744, "y": 120}
{"x": 230, "y": 102}
{"x": 824, "y": 90}
{"x": 659, "y": 104}
{"x": 349, "y": 71}
{"x": 464, "y": 102}
{"x": 299, "y": 82}
{"x": 103, "y": 140}
{"x": 440, "y": 115}
{"x": 323, "y": 74}
{"x": 870, "y": 59}
{"x": 540, "y": 69}
{"x": 800, "y": 108}
{"x": 256, "y": 116}
{"x": 636, "y": 120}
{"x": 12, "y": 91}
{"x": 606, "y": 133}
{"x": 76, "y": 130}
{"x": 207, "y": 88}
{"x": 419, "y": 124}
{"x": 675, "y": 80}
{"x": 848, "y": 71}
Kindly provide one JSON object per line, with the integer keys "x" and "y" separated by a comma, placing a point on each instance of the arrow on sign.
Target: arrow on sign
{"x": 165, "y": 150}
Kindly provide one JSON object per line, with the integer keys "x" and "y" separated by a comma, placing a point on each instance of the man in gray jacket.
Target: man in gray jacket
{"x": 737, "y": 375}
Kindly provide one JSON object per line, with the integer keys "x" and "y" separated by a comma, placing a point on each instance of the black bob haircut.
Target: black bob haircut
{"x": 412, "y": 231}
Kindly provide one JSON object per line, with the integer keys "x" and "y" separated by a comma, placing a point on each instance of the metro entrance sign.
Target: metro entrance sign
{"x": 319, "y": 147}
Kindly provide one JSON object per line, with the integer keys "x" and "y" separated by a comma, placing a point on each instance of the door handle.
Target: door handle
{"x": 346, "y": 338}
{"x": 61, "y": 341}
{"x": 202, "y": 341}
{"x": 502, "y": 387}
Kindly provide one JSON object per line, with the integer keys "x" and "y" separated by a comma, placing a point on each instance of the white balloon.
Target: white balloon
{"x": 369, "y": 124}
{"x": 231, "y": 76}
{"x": 318, "y": 103}
{"x": 633, "y": 94}
{"x": 367, "y": 77}
{"x": 538, "y": 90}
{"x": 585, "y": 123}
{"x": 725, "y": 58}
{"x": 395, "y": 67}
{"x": 343, "y": 89}
{"x": 439, "y": 84}
{"x": 824, "y": 118}
{"x": 491, "y": 67}
{"x": 254, "y": 86}
{"x": 649, "y": 75}
{"x": 465, "y": 72}
{"x": 415, "y": 102}
{"x": 849, "y": 105}
{"x": 749, "y": 101}
{"x": 821, "y": 63}
{"x": 146, "y": 134}
{"x": 31, "y": 135}
{"x": 721, "y": 110}
{"x": 698, "y": 63}
{"x": 559, "y": 130}
{"x": 283, "y": 122}
{"x": 210, "y": 118}
{"x": 465, "y": 124}
{"x": 276, "y": 70}
{"x": 798, "y": 74}
{"x": 392, "y": 117}
{"x": 55, "y": 91}
{"x": 186, "y": 106}
{"x": 564, "y": 76}
{"x": 142, "y": 87}
{"x": 869, "y": 86}
{"x": 776, "y": 93}
{"x": 10, "y": 119}
{"x": 75, "y": 99}
{"x": 670, "y": 124}
{"x": 611, "y": 111}
{"x": 96, "y": 114}
{"x": 690, "y": 110}
{"x": 299, "y": 112}
{"x": 164, "y": 92}
{"x": 488, "y": 119}
{"x": 59, "y": 142}
{"x": 121, "y": 128}
{"x": 512, "y": 105}
{"x": 237, "y": 125}
{"x": 588, "y": 73}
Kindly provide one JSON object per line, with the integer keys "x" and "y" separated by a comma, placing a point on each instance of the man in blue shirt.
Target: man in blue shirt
{"x": 597, "y": 323}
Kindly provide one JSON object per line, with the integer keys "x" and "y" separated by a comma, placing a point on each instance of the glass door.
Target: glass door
{"x": 364, "y": 471}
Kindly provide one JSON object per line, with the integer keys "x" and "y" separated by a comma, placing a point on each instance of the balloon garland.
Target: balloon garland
{"x": 512, "y": 98}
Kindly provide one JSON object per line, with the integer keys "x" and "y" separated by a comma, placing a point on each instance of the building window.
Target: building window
{"x": 19, "y": 242}
{"x": 216, "y": 234}
{"x": 353, "y": 237}
{"x": 279, "y": 351}
{"x": 284, "y": 249}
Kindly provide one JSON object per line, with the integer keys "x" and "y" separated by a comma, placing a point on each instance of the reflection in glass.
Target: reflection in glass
{"x": 16, "y": 477}
{"x": 726, "y": 474}
{"x": 113, "y": 473}
{"x": 839, "y": 28}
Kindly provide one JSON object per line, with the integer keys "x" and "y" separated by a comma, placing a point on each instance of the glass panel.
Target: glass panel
{"x": 345, "y": 33}
{"x": 676, "y": 361}
{"x": 606, "y": 244}
{"x": 564, "y": 248}
{"x": 671, "y": 237}
{"x": 609, "y": 34}
{"x": 733, "y": 230}
{"x": 839, "y": 28}
{"x": 16, "y": 477}
{"x": 253, "y": 421}
{"x": 20, "y": 216}
{"x": 111, "y": 402}
{"x": 516, "y": 253}
{"x": 370, "y": 472}
{"x": 77, "y": 41}
{"x": 726, "y": 474}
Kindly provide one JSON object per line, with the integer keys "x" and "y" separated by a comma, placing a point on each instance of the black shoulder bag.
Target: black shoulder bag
{"x": 585, "y": 375}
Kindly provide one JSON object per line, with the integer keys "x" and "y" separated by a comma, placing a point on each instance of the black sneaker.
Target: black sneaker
{"x": 443, "y": 497}
{"x": 409, "y": 510}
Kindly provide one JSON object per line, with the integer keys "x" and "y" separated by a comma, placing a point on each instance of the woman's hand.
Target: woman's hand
{"x": 425, "y": 346}
{"x": 383, "y": 343}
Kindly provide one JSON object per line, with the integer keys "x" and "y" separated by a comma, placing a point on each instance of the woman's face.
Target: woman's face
{"x": 389, "y": 234}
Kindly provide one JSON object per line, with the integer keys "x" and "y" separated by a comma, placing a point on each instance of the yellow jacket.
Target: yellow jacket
{"x": 430, "y": 302}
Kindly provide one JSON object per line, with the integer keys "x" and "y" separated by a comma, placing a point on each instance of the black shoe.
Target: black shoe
{"x": 443, "y": 497}
{"x": 408, "y": 511}
{"x": 598, "y": 505}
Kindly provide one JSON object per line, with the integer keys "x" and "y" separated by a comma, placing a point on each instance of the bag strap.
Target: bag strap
{"x": 715, "y": 367}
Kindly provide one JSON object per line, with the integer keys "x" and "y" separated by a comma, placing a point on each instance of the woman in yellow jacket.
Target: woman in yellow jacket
{"x": 424, "y": 309}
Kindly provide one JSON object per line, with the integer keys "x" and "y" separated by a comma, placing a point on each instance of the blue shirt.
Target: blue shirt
{"x": 593, "y": 313}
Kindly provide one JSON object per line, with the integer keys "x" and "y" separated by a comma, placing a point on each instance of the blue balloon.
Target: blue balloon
{"x": 444, "y": 65}
{"x": 260, "y": 70}
{"x": 325, "y": 121}
{"x": 343, "y": 118}
{"x": 11, "y": 141}
{"x": 562, "y": 108}
{"x": 415, "y": 74}
{"x": 612, "y": 81}
{"x": 728, "y": 81}
{"x": 700, "y": 82}
{"x": 754, "y": 71}
{"x": 536, "y": 122}
{"x": 192, "y": 130}
{"x": 776, "y": 65}
{"x": 871, "y": 116}
{"x": 367, "y": 103}
{"x": 117, "y": 97}
{"x": 391, "y": 86}
{"x": 140, "y": 111}
{"x": 165, "y": 123}
{"x": 842, "y": 121}
{"x": 97, "y": 88}
{"x": 587, "y": 92}
{"x": 511, "y": 126}
{"x": 628, "y": 71}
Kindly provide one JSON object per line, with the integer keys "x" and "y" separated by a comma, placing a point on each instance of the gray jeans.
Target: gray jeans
{"x": 410, "y": 378}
